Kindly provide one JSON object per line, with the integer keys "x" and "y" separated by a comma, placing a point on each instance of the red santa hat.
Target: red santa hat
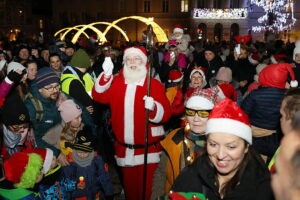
{"x": 202, "y": 73}
{"x": 47, "y": 156}
{"x": 22, "y": 169}
{"x": 227, "y": 117}
{"x": 277, "y": 57}
{"x": 276, "y": 75}
{"x": 254, "y": 58}
{"x": 178, "y": 28}
{"x": 227, "y": 90}
{"x": 136, "y": 50}
{"x": 296, "y": 49}
{"x": 175, "y": 76}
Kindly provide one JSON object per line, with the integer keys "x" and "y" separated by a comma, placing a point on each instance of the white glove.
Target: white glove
{"x": 149, "y": 103}
{"x": 107, "y": 66}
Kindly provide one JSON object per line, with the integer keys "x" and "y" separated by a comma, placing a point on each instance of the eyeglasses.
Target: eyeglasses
{"x": 133, "y": 59}
{"x": 200, "y": 113}
{"x": 57, "y": 87}
{"x": 19, "y": 127}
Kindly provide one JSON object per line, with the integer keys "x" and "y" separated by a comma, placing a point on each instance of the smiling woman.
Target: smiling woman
{"x": 229, "y": 169}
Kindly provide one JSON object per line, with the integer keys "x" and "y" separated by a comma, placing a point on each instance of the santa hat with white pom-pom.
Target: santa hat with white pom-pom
{"x": 276, "y": 75}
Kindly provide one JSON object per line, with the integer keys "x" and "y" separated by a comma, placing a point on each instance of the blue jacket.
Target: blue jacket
{"x": 263, "y": 107}
{"x": 96, "y": 178}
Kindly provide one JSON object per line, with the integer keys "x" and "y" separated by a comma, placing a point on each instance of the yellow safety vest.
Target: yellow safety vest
{"x": 67, "y": 78}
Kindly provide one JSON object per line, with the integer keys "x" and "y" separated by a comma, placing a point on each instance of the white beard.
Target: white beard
{"x": 134, "y": 76}
{"x": 179, "y": 37}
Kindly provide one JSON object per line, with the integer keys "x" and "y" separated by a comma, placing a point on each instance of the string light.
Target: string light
{"x": 282, "y": 10}
{"x": 212, "y": 13}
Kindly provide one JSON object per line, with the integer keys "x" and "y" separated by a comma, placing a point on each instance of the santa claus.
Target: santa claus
{"x": 126, "y": 94}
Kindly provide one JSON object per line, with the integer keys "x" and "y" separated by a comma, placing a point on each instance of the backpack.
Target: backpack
{"x": 37, "y": 105}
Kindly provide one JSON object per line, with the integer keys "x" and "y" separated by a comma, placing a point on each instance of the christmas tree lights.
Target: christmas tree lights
{"x": 212, "y": 13}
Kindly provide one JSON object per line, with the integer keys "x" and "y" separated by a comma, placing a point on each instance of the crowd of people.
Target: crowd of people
{"x": 214, "y": 120}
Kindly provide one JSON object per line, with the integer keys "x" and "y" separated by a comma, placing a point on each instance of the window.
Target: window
{"x": 217, "y": 4}
{"x": 218, "y": 33}
{"x": 234, "y": 3}
{"x": 165, "y": 5}
{"x": 200, "y": 3}
{"x": 147, "y": 6}
{"x": 184, "y": 5}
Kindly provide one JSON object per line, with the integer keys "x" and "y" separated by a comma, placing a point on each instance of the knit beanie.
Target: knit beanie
{"x": 14, "y": 66}
{"x": 276, "y": 75}
{"x": 69, "y": 110}
{"x": 296, "y": 49}
{"x": 46, "y": 76}
{"x": 224, "y": 74}
{"x": 227, "y": 117}
{"x": 80, "y": 59}
{"x": 22, "y": 169}
{"x": 14, "y": 111}
{"x": 84, "y": 140}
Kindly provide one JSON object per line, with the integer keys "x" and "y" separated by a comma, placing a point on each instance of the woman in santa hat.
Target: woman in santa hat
{"x": 229, "y": 168}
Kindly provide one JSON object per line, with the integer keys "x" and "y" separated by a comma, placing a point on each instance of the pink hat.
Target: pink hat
{"x": 69, "y": 110}
{"x": 136, "y": 50}
{"x": 227, "y": 117}
{"x": 178, "y": 28}
{"x": 175, "y": 76}
{"x": 224, "y": 74}
{"x": 276, "y": 75}
{"x": 227, "y": 90}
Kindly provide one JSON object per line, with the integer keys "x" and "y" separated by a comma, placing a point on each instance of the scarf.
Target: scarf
{"x": 199, "y": 140}
{"x": 11, "y": 141}
{"x": 83, "y": 162}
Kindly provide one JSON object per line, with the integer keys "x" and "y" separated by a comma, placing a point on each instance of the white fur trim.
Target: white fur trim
{"x": 157, "y": 131}
{"x": 102, "y": 88}
{"x": 294, "y": 83}
{"x": 48, "y": 160}
{"x": 229, "y": 126}
{"x": 251, "y": 60}
{"x": 129, "y": 114}
{"x": 137, "y": 51}
{"x": 273, "y": 60}
{"x": 178, "y": 30}
{"x": 134, "y": 160}
{"x": 199, "y": 102}
{"x": 221, "y": 93}
{"x": 7, "y": 80}
{"x": 159, "y": 113}
{"x": 176, "y": 80}
{"x": 2, "y": 64}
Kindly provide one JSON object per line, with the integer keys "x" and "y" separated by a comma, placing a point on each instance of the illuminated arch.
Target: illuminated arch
{"x": 67, "y": 30}
{"x": 76, "y": 36}
{"x": 160, "y": 34}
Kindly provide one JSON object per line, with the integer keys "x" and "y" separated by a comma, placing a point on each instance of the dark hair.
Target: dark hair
{"x": 292, "y": 105}
{"x": 30, "y": 62}
{"x": 54, "y": 54}
{"x": 230, "y": 186}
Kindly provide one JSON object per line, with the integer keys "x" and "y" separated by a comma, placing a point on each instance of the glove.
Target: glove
{"x": 15, "y": 76}
{"x": 107, "y": 66}
{"x": 149, "y": 103}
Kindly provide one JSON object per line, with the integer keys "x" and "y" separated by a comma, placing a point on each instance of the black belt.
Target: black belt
{"x": 137, "y": 146}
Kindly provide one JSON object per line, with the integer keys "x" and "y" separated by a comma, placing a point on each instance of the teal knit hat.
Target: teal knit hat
{"x": 80, "y": 59}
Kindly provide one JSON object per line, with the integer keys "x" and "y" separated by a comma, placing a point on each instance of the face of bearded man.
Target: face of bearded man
{"x": 134, "y": 69}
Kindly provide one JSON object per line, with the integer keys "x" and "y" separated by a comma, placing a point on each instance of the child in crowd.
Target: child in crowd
{"x": 88, "y": 168}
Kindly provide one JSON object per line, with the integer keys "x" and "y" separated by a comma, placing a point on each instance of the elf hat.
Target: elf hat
{"x": 175, "y": 76}
{"x": 227, "y": 117}
{"x": 141, "y": 52}
{"x": 23, "y": 169}
{"x": 227, "y": 90}
{"x": 47, "y": 156}
{"x": 296, "y": 49}
{"x": 275, "y": 58}
{"x": 178, "y": 28}
{"x": 276, "y": 75}
{"x": 202, "y": 73}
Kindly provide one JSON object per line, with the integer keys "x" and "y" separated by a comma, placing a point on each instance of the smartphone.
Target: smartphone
{"x": 172, "y": 54}
{"x": 238, "y": 49}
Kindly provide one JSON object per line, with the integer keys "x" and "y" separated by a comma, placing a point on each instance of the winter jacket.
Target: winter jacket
{"x": 183, "y": 43}
{"x": 262, "y": 106}
{"x": 96, "y": 178}
{"x": 212, "y": 67}
{"x": 200, "y": 177}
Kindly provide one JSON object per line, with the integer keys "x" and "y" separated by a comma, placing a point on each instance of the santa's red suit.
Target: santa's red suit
{"x": 128, "y": 117}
